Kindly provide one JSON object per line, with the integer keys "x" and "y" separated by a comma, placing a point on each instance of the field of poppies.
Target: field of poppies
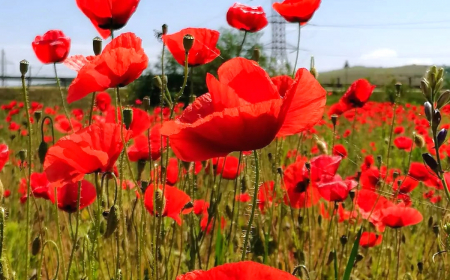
{"x": 256, "y": 179}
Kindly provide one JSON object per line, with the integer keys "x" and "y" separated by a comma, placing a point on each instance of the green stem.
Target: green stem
{"x": 92, "y": 108}
{"x": 252, "y": 214}
{"x": 298, "y": 49}
{"x": 66, "y": 112}
{"x": 242, "y": 44}
{"x": 74, "y": 243}
{"x": 180, "y": 93}
{"x": 58, "y": 229}
{"x": 29, "y": 153}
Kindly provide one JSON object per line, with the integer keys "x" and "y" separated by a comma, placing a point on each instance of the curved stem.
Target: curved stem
{"x": 30, "y": 132}
{"x": 66, "y": 112}
{"x": 57, "y": 258}
{"x": 252, "y": 214}
{"x": 74, "y": 243}
{"x": 298, "y": 49}
{"x": 242, "y": 44}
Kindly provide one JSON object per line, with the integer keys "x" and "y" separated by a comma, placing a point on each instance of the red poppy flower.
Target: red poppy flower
{"x": 358, "y": 93}
{"x": 371, "y": 178}
{"x": 200, "y": 207}
{"x": 228, "y": 167}
{"x": 403, "y": 143}
{"x": 4, "y": 155}
{"x": 243, "y": 197}
{"x": 407, "y": 184}
{"x": 370, "y": 204}
{"x": 92, "y": 149}
{"x": 420, "y": 172}
{"x": 68, "y": 196}
{"x": 121, "y": 62}
{"x": 299, "y": 192}
{"x": 243, "y": 111}
{"x": 399, "y": 130}
{"x": 244, "y": 270}
{"x": 203, "y": 51}
{"x": 102, "y": 101}
{"x": 13, "y": 126}
{"x": 52, "y": 47}
{"x": 172, "y": 171}
{"x": 173, "y": 203}
{"x": 140, "y": 122}
{"x": 246, "y": 18}
{"x": 340, "y": 150}
{"x": 300, "y": 11}
{"x": 76, "y": 62}
{"x": 140, "y": 149}
{"x": 335, "y": 189}
{"x": 107, "y": 15}
{"x": 398, "y": 216}
{"x": 207, "y": 225}
{"x": 324, "y": 166}
{"x": 40, "y": 187}
{"x": 370, "y": 239}
{"x": 310, "y": 97}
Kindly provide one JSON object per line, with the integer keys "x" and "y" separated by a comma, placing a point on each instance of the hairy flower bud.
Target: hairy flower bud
{"x": 160, "y": 202}
{"x": 158, "y": 81}
{"x": 418, "y": 140}
{"x": 164, "y": 29}
{"x": 256, "y": 54}
{"x": 97, "y": 45}
{"x": 42, "y": 151}
{"x": 36, "y": 246}
{"x": 113, "y": 221}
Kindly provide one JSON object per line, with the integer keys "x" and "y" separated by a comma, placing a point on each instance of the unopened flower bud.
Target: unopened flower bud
{"x": 436, "y": 120}
{"x": 188, "y": 42}
{"x": 441, "y": 137}
{"x": 127, "y": 117}
{"x": 24, "y": 67}
{"x": 431, "y": 72}
{"x": 343, "y": 240}
{"x": 36, "y": 246}
{"x": 42, "y": 151}
{"x": 379, "y": 160}
{"x": 97, "y": 45}
{"x": 164, "y": 29}
{"x": 420, "y": 267}
{"x": 430, "y": 162}
{"x": 22, "y": 155}
{"x": 395, "y": 175}
{"x": 158, "y": 81}
{"x": 37, "y": 115}
{"x": 308, "y": 165}
{"x": 160, "y": 201}
{"x": 438, "y": 85}
{"x": 256, "y": 54}
{"x": 146, "y": 103}
{"x": 334, "y": 118}
{"x": 436, "y": 229}
{"x": 144, "y": 185}
{"x": 418, "y": 140}
{"x": 426, "y": 90}
{"x": 440, "y": 73}
{"x": 443, "y": 99}
{"x": 113, "y": 221}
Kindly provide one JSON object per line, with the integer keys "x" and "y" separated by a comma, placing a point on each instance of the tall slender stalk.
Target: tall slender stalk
{"x": 252, "y": 214}
{"x": 74, "y": 242}
{"x": 242, "y": 44}
{"x": 298, "y": 49}
{"x": 29, "y": 154}
{"x": 63, "y": 102}
{"x": 58, "y": 229}
{"x": 92, "y": 108}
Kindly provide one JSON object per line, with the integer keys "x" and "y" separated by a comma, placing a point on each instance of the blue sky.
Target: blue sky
{"x": 372, "y": 33}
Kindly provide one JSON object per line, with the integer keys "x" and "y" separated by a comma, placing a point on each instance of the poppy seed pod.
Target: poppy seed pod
{"x": 256, "y": 54}
{"x": 436, "y": 120}
{"x": 113, "y": 221}
{"x": 343, "y": 240}
{"x": 443, "y": 99}
{"x": 164, "y": 29}
{"x": 144, "y": 185}
{"x": 147, "y": 103}
{"x": 97, "y": 43}
{"x": 188, "y": 42}
{"x": 428, "y": 110}
{"x": 334, "y": 119}
{"x": 24, "y": 67}
{"x": 398, "y": 88}
{"x": 430, "y": 162}
{"x": 441, "y": 137}
{"x": 127, "y": 117}
{"x": 420, "y": 267}
{"x": 37, "y": 115}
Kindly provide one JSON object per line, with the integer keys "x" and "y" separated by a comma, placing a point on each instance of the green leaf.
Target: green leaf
{"x": 351, "y": 260}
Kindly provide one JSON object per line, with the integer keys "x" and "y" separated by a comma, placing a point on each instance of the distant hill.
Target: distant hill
{"x": 376, "y": 75}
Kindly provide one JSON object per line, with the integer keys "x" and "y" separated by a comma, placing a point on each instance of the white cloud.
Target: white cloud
{"x": 384, "y": 53}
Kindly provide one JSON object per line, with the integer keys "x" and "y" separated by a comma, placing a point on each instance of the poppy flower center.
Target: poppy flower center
{"x": 110, "y": 24}
{"x": 301, "y": 186}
